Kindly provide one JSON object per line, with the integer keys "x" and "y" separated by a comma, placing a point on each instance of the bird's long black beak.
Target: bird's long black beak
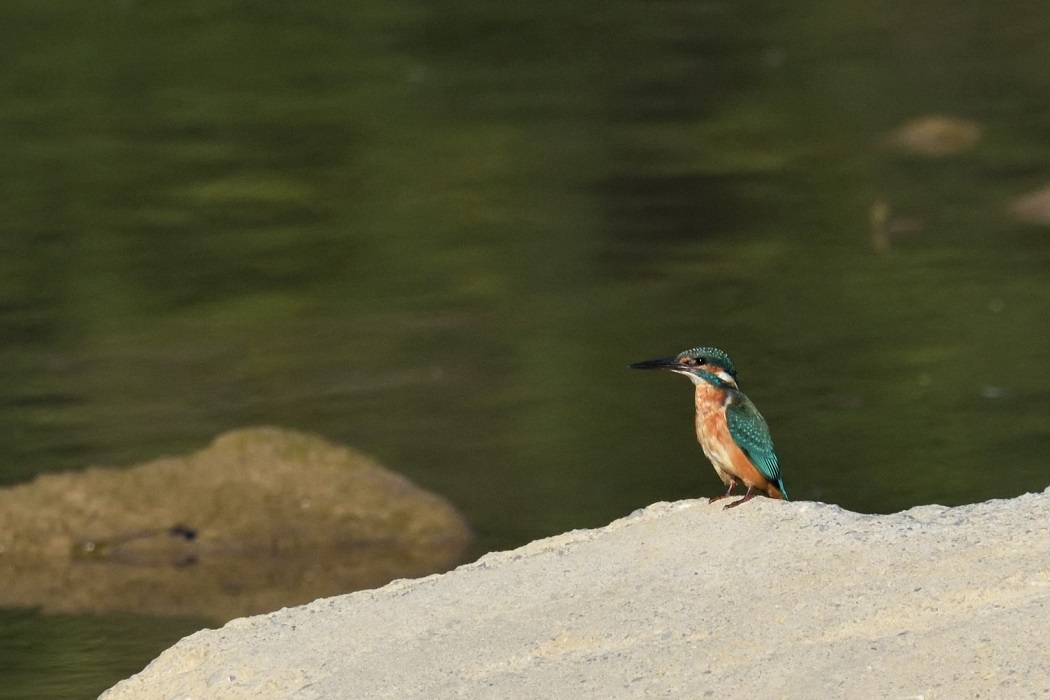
{"x": 670, "y": 363}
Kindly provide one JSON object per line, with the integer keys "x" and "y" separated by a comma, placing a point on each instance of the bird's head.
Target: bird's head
{"x": 709, "y": 365}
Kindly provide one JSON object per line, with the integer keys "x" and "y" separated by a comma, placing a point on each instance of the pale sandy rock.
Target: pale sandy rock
{"x": 683, "y": 600}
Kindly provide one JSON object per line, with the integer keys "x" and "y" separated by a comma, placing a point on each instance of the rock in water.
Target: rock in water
{"x": 935, "y": 136}
{"x": 262, "y": 518}
{"x": 1032, "y": 208}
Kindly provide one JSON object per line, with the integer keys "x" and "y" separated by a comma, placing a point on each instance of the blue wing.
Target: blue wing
{"x": 749, "y": 430}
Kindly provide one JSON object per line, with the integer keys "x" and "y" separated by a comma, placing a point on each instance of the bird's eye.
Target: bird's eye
{"x": 701, "y": 361}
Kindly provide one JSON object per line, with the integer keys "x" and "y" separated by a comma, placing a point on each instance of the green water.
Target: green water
{"x": 440, "y": 231}
{"x": 63, "y": 657}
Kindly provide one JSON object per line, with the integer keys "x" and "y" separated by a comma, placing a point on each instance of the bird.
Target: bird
{"x": 732, "y": 433}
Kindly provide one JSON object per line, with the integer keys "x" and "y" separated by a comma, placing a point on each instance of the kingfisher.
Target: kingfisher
{"x": 731, "y": 431}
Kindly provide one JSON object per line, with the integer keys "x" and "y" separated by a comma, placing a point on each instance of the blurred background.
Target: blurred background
{"x": 438, "y": 232}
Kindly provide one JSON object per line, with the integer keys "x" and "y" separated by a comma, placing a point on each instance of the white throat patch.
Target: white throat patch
{"x": 721, "y": 374}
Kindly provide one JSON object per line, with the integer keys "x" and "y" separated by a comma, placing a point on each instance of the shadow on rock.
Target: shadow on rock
{"x": 261, "y": 519}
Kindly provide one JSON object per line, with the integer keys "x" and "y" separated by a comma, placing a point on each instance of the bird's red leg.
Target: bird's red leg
{"x": 727, "y": 494}
{"x": 747, "y": 497}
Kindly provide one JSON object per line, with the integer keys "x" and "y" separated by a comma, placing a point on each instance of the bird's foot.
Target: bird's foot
{"x": 727, "y": 494}
{"x": 747, "y": 497}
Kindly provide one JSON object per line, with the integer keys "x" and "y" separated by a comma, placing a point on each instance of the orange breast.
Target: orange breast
{"x": 712, "y": 432}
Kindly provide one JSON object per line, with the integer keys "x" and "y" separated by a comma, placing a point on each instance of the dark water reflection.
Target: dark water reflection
{"x": 440, "y": 234}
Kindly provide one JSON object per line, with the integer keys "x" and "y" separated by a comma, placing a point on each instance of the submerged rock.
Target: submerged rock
{"x": 935, "y": 136}
{"x": 1032, "y": 208}
{"x": 260, "y": 519}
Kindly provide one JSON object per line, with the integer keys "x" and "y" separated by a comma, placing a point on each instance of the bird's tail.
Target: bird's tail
{"x": 783, "y": 491}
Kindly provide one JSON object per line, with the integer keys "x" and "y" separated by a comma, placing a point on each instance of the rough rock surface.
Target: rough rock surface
{"x": 682, "y": 600}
